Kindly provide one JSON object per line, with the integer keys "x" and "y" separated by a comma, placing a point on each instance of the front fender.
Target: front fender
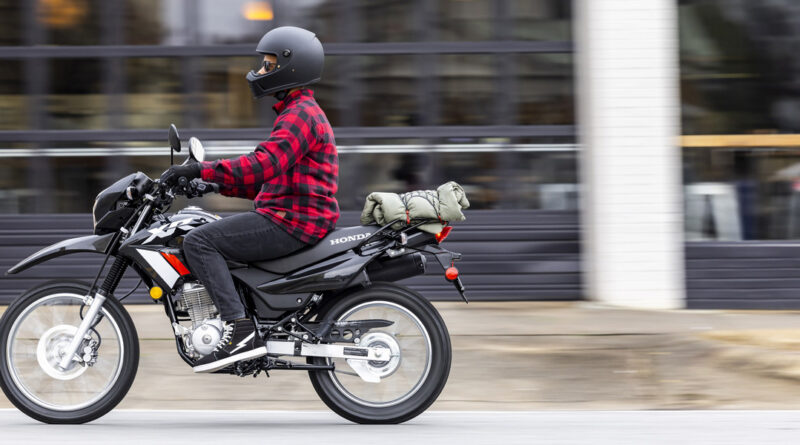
{"x": 91, "y": 243}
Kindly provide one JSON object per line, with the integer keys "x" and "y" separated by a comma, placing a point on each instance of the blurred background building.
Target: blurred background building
{"x": 419, "y": 92}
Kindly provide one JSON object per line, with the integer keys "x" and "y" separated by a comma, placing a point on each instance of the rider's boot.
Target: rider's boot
{"x": 240, "y": 341}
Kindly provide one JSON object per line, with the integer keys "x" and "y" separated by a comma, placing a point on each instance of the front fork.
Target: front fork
{"x": 109, "y": 285}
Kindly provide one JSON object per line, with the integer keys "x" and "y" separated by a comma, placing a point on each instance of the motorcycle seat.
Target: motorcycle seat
{"x": 335, "y": 242}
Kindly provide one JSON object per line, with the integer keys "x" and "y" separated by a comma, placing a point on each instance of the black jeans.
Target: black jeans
{"x": 245, "y": 237}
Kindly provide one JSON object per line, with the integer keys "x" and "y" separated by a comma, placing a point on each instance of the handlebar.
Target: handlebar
{"x": 195, "y": 187}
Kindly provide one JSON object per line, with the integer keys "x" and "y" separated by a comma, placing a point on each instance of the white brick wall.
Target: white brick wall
{"x": 629, "y": 123}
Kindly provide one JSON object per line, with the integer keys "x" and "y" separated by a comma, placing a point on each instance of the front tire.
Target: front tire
{"x": 33, "y": 329}
{"x": 408, "y": 385}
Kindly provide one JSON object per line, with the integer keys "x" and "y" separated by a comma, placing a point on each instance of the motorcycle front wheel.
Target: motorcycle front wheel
{"x": 33, "y": 333}
{"x": 416, "y": 371}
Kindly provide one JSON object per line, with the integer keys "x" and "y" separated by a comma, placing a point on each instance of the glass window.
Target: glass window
{"x": 362, "y": 172}
{"x": 155, "y": 22}
{"x": 388, "y": 20}
{"x": 15, "y": 196}
{"x": 388, "y": 88}
{"x": 153, "y": 96}
{"x": 742, "y": 194}
{"x": 77, "y": 180}
{"x": 71, "y": 22}
{"x": 328, "y": 91}
{"x": 739, "y": 70}
{"x": 544, "y": 93}
{"x": 11, "y": 22}
{"x": 467, "y": 89}
{"x": 75, "y": 98}
{"x": 541, "y": 19}
{"x": 465, "y": 20}
{"x": 543, "y": 180}
{"x": 246, "y": 21}
{"x": 226, "y": 97}
{"x": 13, "y": 101}
{"x": 322, "y": 17}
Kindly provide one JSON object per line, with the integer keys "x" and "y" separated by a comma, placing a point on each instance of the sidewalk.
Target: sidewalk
{"x": 523, "y": 356}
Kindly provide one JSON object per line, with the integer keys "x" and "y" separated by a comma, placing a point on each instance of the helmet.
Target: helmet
{"x": 300, "y": 59}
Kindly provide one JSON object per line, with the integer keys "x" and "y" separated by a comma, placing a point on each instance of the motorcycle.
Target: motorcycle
{"x": 375, "y": 351}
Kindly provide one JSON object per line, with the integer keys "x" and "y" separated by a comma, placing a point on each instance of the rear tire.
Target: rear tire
{"x": 414, "y": 307}
{"x": 19, "y": 367}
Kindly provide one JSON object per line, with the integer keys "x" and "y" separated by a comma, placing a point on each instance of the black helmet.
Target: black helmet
{"x": 300, "y": 59}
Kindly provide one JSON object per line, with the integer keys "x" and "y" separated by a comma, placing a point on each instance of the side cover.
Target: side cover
{"x": 91, "y": 243}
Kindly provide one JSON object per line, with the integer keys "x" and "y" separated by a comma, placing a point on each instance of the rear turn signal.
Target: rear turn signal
{"x": 443, "y": 234}
{"x": 175, "y": 263}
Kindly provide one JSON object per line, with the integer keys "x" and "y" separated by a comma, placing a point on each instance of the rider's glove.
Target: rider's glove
{"x": 189, "y": 171}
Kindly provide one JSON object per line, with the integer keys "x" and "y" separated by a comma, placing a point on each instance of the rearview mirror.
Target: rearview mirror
{"x": 196, "y": 150}
{"x": 174, "y": 139}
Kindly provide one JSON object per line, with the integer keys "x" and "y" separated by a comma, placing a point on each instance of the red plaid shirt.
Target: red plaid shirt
{"x": 293, "y": 175}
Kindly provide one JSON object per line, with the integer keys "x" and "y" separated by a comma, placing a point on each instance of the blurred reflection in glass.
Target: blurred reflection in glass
{"x": 544, "y": 91}
{"x": 75, "y": 100}
{"x": 246, "y": 21}
{"x": 467, "y": 89}
{"x": 13, "y": 191}
{"x": 71, "y": 22}
{"x": 76, "y": 181}
{"x": 155, "y": 22}
{"x": 389, "y": 87}
{"x": 11, "y": 23}
{"x": 328, "y": 92}
{"x": 153, "y": 92}
{"x": 478, "y": 173}
{"x": 226, "y": 98}
{"x": 362, "y": 173}
{"x": 228, "y": 22}
{"x": 754, "y": 193}
{"x": 541, "y": 19}
{"x": 543, "y": 180}
{"x": 739, "y": 66}
{"x": 322, "y": 17}
{"x": 388, "y": 20}
{"x": 461, "y": 20}
{"x": 13, "y": 102}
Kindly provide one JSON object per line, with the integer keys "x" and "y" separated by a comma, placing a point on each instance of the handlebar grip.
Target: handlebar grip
{"x": 206, "y": 187}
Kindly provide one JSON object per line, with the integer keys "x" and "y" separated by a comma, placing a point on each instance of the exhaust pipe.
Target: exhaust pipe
{"x": 395, "y": 269}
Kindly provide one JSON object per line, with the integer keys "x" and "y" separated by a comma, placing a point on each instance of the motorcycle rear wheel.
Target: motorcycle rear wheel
{"x": 415, "y": 375}
{"x": 32, "y": 331}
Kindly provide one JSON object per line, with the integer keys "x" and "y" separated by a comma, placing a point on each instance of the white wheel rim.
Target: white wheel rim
{"x": 77, "y": 391}
{"x": 358, "y": 391}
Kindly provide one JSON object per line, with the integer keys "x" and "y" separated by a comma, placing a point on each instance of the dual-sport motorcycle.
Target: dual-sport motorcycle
{"x": 376, "y": 352}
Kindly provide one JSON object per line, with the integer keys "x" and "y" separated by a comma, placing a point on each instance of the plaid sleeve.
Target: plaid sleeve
{"x": 289, "y": 141}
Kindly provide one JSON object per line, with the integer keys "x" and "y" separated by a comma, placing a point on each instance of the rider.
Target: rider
{"x": 292, "y": 176}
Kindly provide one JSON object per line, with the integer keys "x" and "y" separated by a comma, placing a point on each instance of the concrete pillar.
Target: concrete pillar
{"x": 629, "y": 122}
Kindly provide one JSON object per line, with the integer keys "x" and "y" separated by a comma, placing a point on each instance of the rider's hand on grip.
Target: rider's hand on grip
{"x": 201, "y": 188}
{"x": 175, "y": 173}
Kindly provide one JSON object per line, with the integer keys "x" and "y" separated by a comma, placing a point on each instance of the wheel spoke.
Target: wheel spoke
{"x": 51, "y": 321}
{"x": 399, "y": 379}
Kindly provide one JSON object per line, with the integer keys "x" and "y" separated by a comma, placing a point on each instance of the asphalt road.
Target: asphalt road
{"x": 435, "y": 427}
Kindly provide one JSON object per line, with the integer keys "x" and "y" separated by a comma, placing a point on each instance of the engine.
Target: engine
{"x": 206, "y": 328}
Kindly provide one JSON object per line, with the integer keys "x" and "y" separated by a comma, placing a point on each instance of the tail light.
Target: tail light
{"x": 443, "y": 234}
{"x": 175, "y": 263}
